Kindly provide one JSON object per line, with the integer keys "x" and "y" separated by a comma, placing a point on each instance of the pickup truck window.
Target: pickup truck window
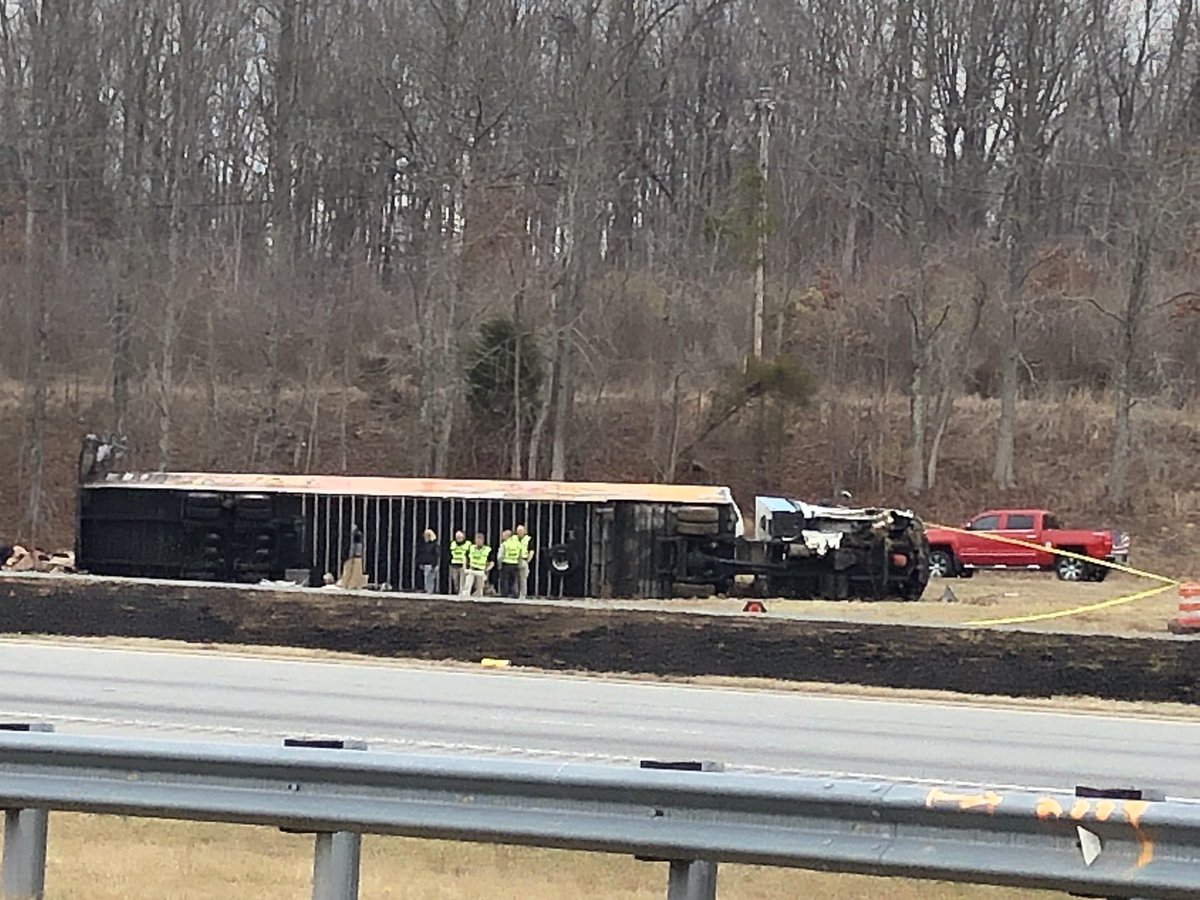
{"x": 984, "y": 523}
{"x": 1051, "y": 522}
{"x": 1019, "y": 522}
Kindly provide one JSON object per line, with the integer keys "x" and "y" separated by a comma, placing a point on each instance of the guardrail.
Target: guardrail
{"x": 1115, "y": 847}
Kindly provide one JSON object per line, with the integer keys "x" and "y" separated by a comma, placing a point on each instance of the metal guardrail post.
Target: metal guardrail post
{"x": 336, "y": 865}
{"x": 689, "y": 879}
{"x": 694, "y": 880}
{"x": 336, "y": 855}
{"x": 23, "y": 864}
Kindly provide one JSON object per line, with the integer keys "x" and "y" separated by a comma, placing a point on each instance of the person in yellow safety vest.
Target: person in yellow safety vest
{"x": 458, "y": 560}
{"x": 523, "y": 568}
{"x": 479, "y": 563}
{"x": 511, "y": 550}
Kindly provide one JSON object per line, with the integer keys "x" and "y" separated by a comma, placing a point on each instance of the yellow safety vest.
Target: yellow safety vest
{"x": 479, "y": 557}
{"x": 511, "y": 550}
{"x": 524, "y": 546}
{"x": 458, "y": 552}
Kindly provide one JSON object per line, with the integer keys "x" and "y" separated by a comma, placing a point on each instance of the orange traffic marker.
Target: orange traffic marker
{"x": 1188, "y": 620}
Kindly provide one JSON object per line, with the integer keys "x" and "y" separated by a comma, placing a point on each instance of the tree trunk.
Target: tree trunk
{"x": 267, "y": 434}
{"x": 564, "y": 397}
{"x": 166, "y": 379}
{"x": 676, "y": 411}
{"x": 37, "y": 413}
{"x": 285, "y": 235}
{"x": 344, "y": 412}
{"x": 36, "y": 421}
{"x": 122, "y": 374}
{"x": 1003, "y": 472}
{"x": 170, "y": 331}
{"x": 212, "y": 400}
{"x": 1122, "y": 442}
{"x": 945, "y": 411}
{"x": 533, "y": 466}
{"x": 954, "y": 355}
{"x": 514, "y": 470}
{"x": 1130, "y": 325}
{"x": 850, "y": 238}
{"x": 918, "y": 405}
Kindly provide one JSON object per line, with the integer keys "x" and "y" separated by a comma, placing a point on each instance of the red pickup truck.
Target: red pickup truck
{"x": 953, "y": 554}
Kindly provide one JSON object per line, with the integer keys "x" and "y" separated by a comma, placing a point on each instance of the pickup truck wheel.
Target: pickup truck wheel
{"x": 1097, "y": 573}
{"x": 1069, "y": 569}
{"x": 941, "y": 564}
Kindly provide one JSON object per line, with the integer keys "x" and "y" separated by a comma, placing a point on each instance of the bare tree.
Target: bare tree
{"x": 1042, "y": 44}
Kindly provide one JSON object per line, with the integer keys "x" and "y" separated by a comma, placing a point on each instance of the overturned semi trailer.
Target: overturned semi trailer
{"x": 590, "y": 539}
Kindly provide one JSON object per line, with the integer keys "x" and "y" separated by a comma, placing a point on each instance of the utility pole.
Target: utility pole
{"x": 763, "y": 106}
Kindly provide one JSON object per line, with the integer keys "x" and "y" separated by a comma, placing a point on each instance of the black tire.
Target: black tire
{"x": 1097, "y": 573}
{"x": 202, "y": 507}
{"x": 697, "y": 529}
{"x": 692, "y": 590}
{"x": 942, "y": 564}
{"x": 698, "y": 515}
{"x": 1070, "y": 569}
{"x": 910, "y": 591}
{"x": 256, "y": 507}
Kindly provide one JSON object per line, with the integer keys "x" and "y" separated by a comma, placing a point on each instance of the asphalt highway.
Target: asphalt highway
{"x": 206, "y": 695}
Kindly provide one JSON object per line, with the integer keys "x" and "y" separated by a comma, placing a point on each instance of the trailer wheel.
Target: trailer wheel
{"x": 202, "y": 506}
{"x": 698, "y": 515}
{"x": 692, "y": 590}
{"x": 697, "y": 529}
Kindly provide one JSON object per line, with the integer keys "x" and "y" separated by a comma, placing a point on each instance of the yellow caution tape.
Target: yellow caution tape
{"x": 1075, "y": 610}
{"x": 1165, "y": 583}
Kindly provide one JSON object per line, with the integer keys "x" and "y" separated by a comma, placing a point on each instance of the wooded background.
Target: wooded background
{"x": 520, "y": 238}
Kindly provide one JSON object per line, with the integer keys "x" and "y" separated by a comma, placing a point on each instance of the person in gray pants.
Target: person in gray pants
{"x": 429, "y": 558}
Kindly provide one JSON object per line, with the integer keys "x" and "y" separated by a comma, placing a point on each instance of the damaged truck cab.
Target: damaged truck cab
{"x": 803, "y": 550}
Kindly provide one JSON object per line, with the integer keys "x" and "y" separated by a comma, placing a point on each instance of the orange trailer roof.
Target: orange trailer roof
{"x": 374, "y": 486}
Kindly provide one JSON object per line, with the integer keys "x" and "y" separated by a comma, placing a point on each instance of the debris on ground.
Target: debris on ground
{"x": 21, "y": 559}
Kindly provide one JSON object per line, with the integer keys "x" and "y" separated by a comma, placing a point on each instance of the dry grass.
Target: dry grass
{"x": 109, "y": 858}
{"x": 989, "y": 595}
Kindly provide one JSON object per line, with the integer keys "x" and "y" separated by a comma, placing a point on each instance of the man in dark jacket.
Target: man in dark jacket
{"x": 429, "y": 558}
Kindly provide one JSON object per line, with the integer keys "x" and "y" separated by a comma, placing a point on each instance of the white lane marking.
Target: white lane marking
{"x": 377, "y": 739}
{"x": 563, "y": 755}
